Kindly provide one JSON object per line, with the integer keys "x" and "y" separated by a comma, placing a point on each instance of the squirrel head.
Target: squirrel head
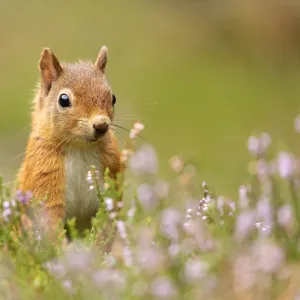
{"x": 75, "y": 103}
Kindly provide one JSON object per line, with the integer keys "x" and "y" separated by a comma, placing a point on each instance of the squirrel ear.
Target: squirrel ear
{"x": 50, "y": 68}
{"x": 101, "y": 59}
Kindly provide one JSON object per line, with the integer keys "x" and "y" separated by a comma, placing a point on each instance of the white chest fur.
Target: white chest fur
{"x": 81, "y": 202}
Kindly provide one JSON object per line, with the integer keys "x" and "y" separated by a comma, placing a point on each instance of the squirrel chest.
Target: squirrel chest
{"x": 81, "y": 202}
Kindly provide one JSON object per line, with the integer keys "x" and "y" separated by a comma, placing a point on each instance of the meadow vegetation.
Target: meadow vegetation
{"x": 175, "y": 239}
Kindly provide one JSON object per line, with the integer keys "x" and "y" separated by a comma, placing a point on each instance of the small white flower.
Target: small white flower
{"x": 253, "y": 145}
{"x": 267, "y": 256}
{"x": 122, "y": 229}
{"x": 162, "y": 287}
{"x": 147, "y": 196}
{"x": 132, "y": 134}
{"x": 139, "y": 126}
{"x": 244, "y": 223}
{"x": 285, "y": 215}
{"x": 176, "y": 164}
{"x": 6, "y": 204}
{"x": 196, "y": 269}
{"x": 131, "y": 212}
{"x": 174, "y": 249}
{"x": 120, "y": 204}
{"x": 127, "y": 254}
{"x": 109, "y": 203}
{"x": 6, "y": 213}
{"x": 265, "y": 141}
{"x": 144, "y": 160}
{"x": 112, "y": 215}
{"x": 286, "y": 164}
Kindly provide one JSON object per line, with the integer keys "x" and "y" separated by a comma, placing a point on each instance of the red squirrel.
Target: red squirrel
{"x": 71, "y": 130}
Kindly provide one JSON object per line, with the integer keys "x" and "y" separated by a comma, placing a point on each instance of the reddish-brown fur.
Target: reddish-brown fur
{"x": 53, "y": 129}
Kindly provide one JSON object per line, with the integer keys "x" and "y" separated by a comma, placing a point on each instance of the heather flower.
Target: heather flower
{"x": 243, "y": 197}
{"x": 244, "y": 223}
{"x": 78, "y": 260}
{"x": 56, "y": 268}
{"x": 89, "y": 178}
{"x": 162, "y": 287}
{"x": 176, "y": 164}
{"x": 107, "y": 277}
{"x": 23, "y": 197}
{"x": 68, "y": 286}
{"x": 265, "y": 141}
{"x": 259, "y": 145}
{"x": 286, "y": 165}
{"x": 125, "y": 155}
{"x": 109, "y": 203}
{"x": 262, "y": 168}
{"x": 264, "y": 212}
{"x": 147, "y": 196}
{"x": 220, "y": 204}
{"x": 6, "y": 213}
{"x": 131, "y": 212}
{"x": 148, "y": 254}
{"x": 5, "y": 204}
{"x": 144, "y": 160}
{"x": 253, "y": 145}
{"x": 120, "y": 204}
{"x": 112, "y": 215}
{"x": 170, "y": 220}
{"x": 122, "y": 229}
{"x": 268, "y": 257}
{"x": 174, "y": 249}
{"x": 195, "y": 269}
{"x": 285, "y": 215}
{"x": 127, "y": 255}
{"x": 136, "y": 130}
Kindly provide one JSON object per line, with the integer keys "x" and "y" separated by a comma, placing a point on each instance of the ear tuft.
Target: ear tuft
{"x": 101, "y": 59}
{"x": 50, "y": 69}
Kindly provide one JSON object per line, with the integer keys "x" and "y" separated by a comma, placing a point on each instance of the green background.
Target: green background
{"x": 201, "y": 75}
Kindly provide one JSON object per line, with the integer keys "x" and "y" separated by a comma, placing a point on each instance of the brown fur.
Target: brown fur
{"x": 53, "y": 128}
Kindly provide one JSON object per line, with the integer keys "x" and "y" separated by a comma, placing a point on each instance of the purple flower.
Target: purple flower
{"x": 176, "y": 164}
{"x": 6, "y": 213}
{"x": 285, "y": 215}
{"x": 244, "y": 223}
{"x": 286, "y": 164}
{"x": 268, "y": 256}
{"x": 144, "y": 161}
{"x": 264, "y": 212}
{"x": 162, "y": 287}
{"x": 196, "y": 269}
{"x": 122, "y": 229}
{"x": 147, "y": 196}
{"x": 170, "y": 220}
{"x": 23, "y": 197}
{"x": 5, "y": 204}
{"x": 253, "y": 145}
{"x": 109, "y": 203}
{"x": 152, "y": 254}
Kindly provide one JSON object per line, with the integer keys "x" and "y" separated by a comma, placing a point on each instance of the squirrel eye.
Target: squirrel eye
{"x": 114, "y": 100}
{"x": 64, "y": 101}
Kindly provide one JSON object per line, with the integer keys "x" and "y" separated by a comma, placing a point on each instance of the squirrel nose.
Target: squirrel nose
{"x": 100, "y": 128}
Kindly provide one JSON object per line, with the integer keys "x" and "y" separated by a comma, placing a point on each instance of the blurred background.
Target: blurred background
{"x": 201, "y": 75}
